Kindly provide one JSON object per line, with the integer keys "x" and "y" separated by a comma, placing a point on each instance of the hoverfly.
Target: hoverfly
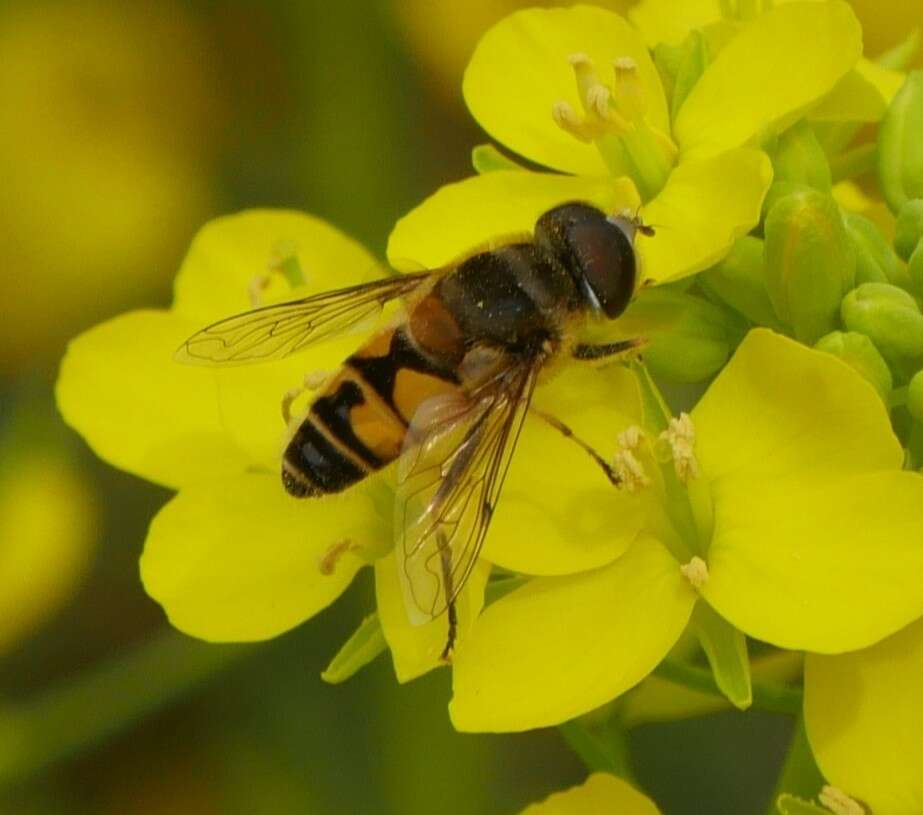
{"x": 444, "y": 388}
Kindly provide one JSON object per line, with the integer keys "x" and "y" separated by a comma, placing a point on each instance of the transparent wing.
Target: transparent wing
{"x": 450, "y": 473}
{"x": 273, "y": 332}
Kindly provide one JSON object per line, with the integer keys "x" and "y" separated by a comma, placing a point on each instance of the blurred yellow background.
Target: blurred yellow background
{"x": 123, "y": 128}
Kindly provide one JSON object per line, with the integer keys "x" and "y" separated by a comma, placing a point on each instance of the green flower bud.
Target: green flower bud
{"x": 779, "y": 190}
{"x": 810, "y": 263}
{"x": 799, "y": 158}
{"x": 915, "y": 396}
{"x": 739, "y": 281}
{"x": 915, "y": 269}
{"x": 858, "y": 351}
{"x": 887, "y": 315}
{"x": 900, "y": 146}
{"x": 689, "y": 339}
{"x": 680, "y": 67}
{"x": 875, "y": 259}
{"x": 908, "y": 231}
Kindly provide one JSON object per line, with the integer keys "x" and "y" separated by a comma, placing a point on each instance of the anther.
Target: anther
{"x": 696, "y": 572}
{"x": 630, "y": 471}
{"x": 329, "y": 560}
{"x": 584, "y": 71}
{"x": 626, "y": 465}
{"x": 567, "y": 119}
{"x": 629, "y": 95}
{"x": 839, "y": 803}
{"x": 631, "y": 437}
{"x": 680, "y": 437}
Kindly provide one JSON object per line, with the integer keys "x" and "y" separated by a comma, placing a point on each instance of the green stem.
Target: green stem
{"x": 799, "y": 776}
{"x": 767, "y": 696}
{"x": 108, "y": 698}
{"x": 851, "y": 163}
{"x": 602, "y": 748}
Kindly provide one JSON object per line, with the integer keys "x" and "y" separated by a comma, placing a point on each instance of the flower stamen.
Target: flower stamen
{"x": 629, "y": 95}
{"x": 696, "y": 572}
{"x": 680, "y": 438}
{"x": 614, "y": 118}
{"x": 571, "y": 122}
{"x": 839, "y": 803}
{"x": 626, "y": 464}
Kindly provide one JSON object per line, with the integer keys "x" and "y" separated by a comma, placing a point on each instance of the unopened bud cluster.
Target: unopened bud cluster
{"x": 827, "y": 276}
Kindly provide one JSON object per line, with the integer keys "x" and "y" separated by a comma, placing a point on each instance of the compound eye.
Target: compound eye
{"x": 604, "y": 253}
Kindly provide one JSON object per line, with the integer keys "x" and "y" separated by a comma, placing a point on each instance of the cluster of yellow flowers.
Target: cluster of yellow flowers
{"x": 786, "y": 507}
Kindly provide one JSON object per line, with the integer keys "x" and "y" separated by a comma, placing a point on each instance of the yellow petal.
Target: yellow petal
{"x": 141, "y": 411}
{"x": 600, "y": 793}
{"x": 668, "y": 21}
{"x": 561, "y": 646}
{"x": 864, "y": 716}
{"x": 778, "y": 66}
{"x": 703, "y": 209}
{"x": 825, "y": 564}
{"x": 520, "y": 69}
{"x": 863, "y": 95}
{"x": 229, "y": 253}
{"x": 238, "y": 559}
{"x": 559, "y": 513}
{"x": 48, "y": 530}
{"x": 780, "y": 408}
{"x": 490, "y": 209}
{"x": 417, "y": 649}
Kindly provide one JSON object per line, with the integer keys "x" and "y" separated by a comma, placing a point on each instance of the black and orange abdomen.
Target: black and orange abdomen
{"x": 358, "y": 423}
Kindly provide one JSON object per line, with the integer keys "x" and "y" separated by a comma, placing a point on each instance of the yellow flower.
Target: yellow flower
{"x": 442, "y": 36}
{"x": 700, "y": 179}
{"x": 862, "y": 94}
{"x": 232, "y": 556}
{"x": 773, "y": 540}
{"x": 600, "y": 793}
{"x": 864, "y": 715}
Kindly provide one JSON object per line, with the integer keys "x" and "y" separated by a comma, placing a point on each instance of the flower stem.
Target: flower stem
{"x": 799, "y": 775}
{"x": 108, "y": 698}
{"x": 602, "y": 748}
{"x": 767, "y": 696}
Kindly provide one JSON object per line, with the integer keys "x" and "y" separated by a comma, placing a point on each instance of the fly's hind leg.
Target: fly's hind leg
{"x": 445, "y": 561}
{"x": 609, "y": 349}
{"x": 566, "y": 431}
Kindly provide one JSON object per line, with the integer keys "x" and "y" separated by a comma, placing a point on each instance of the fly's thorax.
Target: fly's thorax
{"x": 516, "y": 296}
{"x": 597, "y": 252}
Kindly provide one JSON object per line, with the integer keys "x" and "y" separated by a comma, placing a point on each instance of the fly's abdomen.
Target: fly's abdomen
{"x": 357, "y": 425}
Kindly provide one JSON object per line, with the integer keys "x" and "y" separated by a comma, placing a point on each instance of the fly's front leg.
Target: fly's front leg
{"x": 585, "y": 351}
{"x": 566, "y": 431}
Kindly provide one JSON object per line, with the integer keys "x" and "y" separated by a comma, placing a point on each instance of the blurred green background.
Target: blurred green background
{"x": 123, "y": 128}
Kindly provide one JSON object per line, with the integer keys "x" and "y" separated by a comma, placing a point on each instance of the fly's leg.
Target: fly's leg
{"x": 609, "y": 349}
{"x": 566, "y": 431}
{"x": 445, "y": 559}
{"x": 452, "y": 617}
